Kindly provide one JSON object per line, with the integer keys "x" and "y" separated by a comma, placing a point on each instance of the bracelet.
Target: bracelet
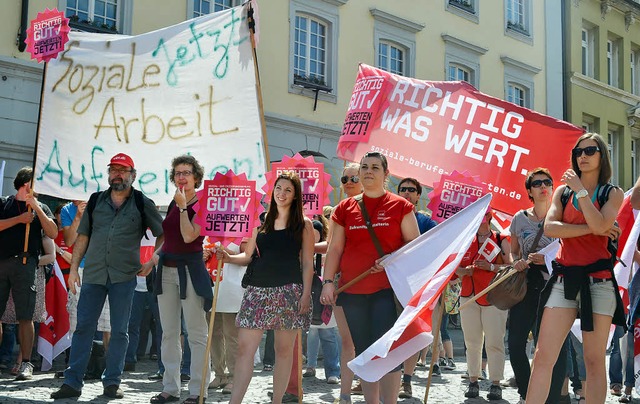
{"x": 492, "y": 268}
{"x": 324, "y": 282}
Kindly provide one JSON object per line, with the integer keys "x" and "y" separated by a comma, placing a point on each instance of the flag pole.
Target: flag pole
{"x": 353, "y": 281}
{"x": 435, "y": 343}
{"x": 212, "y": 318}
{"x": 510, "y": 272}
{"x": 299, "y": 369}
{"x": 33, "y": 168}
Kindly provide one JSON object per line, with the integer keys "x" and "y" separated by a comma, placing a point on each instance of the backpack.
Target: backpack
{"x": 138, "y": 198}
{"x": 602, "y": 197}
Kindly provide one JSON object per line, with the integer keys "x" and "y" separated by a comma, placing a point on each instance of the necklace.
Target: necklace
{"x": 538, "y": 218}
{"x": 191, "y": 200}
{"x": 484, "y": 235}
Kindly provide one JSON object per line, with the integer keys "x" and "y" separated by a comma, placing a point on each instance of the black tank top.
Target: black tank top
{"x": 279, "y": 262}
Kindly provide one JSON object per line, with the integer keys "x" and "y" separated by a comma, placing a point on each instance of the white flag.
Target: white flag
{"x": 418, "y": 273}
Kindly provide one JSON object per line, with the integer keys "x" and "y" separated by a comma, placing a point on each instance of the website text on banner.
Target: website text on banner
{"x": 430, "y": 128}
{"x": 188, "y": 88}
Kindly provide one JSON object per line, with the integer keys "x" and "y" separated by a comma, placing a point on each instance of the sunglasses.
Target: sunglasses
{"x": 538, "y": 183}
{"x": 345, "y": 178}
{"x": 589, "y": 151}
{"x": 408, "y": 189}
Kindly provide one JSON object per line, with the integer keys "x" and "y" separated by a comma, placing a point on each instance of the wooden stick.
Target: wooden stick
{"x": 299, "y": 347}
{"x": 28, "y": 228}
{"x": 354, "y": 281}
{"x": 510, "y": 272}
{"x": 436, "y": 341}
{"x": 212, "y": 318}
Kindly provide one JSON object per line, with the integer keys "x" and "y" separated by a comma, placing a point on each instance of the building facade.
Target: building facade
{"x": 308, "y": 56}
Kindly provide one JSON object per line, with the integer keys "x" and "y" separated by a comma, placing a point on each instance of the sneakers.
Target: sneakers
{"x": 287, "y": 398}
{"x": 442, "y": 362}
{"x": 473, "y": 390}
{"x": 356, "y": 390}
{"x": 309, "y": 372}
{"x": 113, "y": 391}
{"x": 405, "y": 390}
{"x": 495, "y": 392}
{"x": 25, "y": 371}
{"x": 483, "y": 375}
{"x": 157, "y": 376}
{"x": 65, "y": 391}
{"x": 184, "y": 378}
{"x": 436, "y": 370}
{"x": 449, "y": 364}
{"x": 333, "y": 380}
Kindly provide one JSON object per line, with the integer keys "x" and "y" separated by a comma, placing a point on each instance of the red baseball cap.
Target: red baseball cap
{"x": 122, "y": 160}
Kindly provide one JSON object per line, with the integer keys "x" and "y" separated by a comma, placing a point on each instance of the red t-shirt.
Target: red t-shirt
{"x": 583, "y": 250}
{"x": 360, "y": 253}
{"x": 480, "y": 279}
{"x": 60, "y": 243}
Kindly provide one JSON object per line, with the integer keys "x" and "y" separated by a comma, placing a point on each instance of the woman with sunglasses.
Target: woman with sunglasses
{"x": 583, "y": 270}
{"x": 368, "y": 305}
{"x": 523, "y": 316}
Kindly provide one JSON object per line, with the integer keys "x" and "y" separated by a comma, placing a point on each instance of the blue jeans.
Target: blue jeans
{"x": 8, "y": 343}
{"x": 579, "y": 356}
{"x": 89, "y": 307}
{"x": 329, "y": 339}
{"x": 141, "y": 300}
{"x": 615, "y": 360}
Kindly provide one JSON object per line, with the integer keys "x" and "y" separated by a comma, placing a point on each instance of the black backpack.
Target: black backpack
{"x": 602, "y": 197}
{"x": 138, "y": 198}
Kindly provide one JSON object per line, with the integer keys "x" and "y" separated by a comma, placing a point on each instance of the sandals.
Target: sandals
{"x": 160, "y": 399}
{"x": 616, "y": 389}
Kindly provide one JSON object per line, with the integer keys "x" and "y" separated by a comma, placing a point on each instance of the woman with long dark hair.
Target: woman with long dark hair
{"x": 278, "y": 295}
{"x": 583, "y": 269}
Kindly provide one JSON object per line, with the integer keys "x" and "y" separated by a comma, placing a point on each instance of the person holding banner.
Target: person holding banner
{"x": 182, "y": 284}
{"x": 583, "y": 269}
{"x": 525, "y": 243}
{"x": 278, "y": 293}
{"x": 480, "y": 320}
{"x": 368, "y": 305}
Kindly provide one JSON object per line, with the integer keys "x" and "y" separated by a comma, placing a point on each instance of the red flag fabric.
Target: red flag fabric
{"x": 54, "y": 336}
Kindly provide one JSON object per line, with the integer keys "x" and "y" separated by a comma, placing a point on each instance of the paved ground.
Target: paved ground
{"x": 139, "y": 389}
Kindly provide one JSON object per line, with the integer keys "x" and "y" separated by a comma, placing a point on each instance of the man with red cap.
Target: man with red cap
{"x": 108, "y": 237}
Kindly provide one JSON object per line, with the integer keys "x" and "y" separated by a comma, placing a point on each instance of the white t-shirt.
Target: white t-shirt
{"x": 230, "y": 291}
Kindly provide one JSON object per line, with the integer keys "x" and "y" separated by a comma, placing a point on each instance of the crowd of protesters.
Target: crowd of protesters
{"x": 297, "y": 266}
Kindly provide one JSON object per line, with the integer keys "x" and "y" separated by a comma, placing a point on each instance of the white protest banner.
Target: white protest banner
{"x": 189, "y": 88}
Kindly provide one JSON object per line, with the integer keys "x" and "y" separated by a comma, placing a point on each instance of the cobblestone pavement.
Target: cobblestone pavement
{"x": 449, "y": 388}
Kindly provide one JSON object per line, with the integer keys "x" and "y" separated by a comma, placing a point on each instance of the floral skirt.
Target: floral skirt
{"x": 272, "y": 308}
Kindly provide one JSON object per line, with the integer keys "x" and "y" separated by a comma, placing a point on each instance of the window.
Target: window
{"x": 313, "y": 48}
{"x": 588, "y": 53}
{"x": 202, "y": 7}
{"x": 310, "y": 50}
{"x": 468, "y": 6}
{"x": 391, "y": 58}
{"x": 634, "y": 73}
{"x": 612, "y": 62}
{"x": 613, "y": 146}
{"x": 395, "y": 41}
{"x": 517, "y": 94}
{"x": 462, "y": 60}
{"x": 459, "y": 73}
{"x": 634, "y": 158}
{"x": 517, "y": 16}
{"x": 93, "y": 15}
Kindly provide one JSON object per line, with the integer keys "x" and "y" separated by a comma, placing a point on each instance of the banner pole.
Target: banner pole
{"x": 33, "y": 167}
{"x": 353, "y": 281}
{"x": 265, "y": 144}
{"x": 299, "y": 369}
{"x": 435, "y": 343}
{"x": 212, "y": 318}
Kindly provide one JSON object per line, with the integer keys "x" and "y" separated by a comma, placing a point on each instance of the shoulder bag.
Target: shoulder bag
{"x": 512, "y": 291}
{"x": 246, "y": 278}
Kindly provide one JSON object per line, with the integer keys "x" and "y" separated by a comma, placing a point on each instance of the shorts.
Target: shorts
{"x": 20, "y": 280}
{"x": 603, "y": 298}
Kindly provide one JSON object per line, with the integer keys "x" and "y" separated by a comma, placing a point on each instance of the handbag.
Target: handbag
{"x": 511, "y": 291}
{"x": 318, "y": 308}
{"x": 246, "y": 278}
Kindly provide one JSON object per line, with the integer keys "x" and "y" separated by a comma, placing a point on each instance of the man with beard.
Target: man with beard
{"x": 109, "y": 233}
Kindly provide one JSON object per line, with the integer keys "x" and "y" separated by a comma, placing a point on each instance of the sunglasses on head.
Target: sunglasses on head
{"x": 345, "y": 178}
{"x": 408, "y": 189}
{"x": 589, "y": 151}
{"x": 538, "y": 183}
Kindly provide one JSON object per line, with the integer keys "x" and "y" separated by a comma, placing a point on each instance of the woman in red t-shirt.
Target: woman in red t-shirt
{"x": 583, "y": 270}
{"x": 368, "y": 305}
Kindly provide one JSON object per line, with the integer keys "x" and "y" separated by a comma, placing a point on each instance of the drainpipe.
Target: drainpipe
{"x": 565, "y": 58}
{"x": 24, "y": 21}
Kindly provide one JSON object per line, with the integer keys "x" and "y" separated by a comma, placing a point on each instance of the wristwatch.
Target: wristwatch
{"x": 182, "y": 209}
{"x": 324, "y": 282}
{"x": 582, "y": 193}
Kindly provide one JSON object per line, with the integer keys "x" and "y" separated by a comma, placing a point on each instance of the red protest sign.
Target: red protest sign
{"x": 228, "y": 208}
{"x": 453, "y": 193}
{"x": 314, "y": 181}
{"x": 430, "y": 128}
{"x": 47, "y": 35}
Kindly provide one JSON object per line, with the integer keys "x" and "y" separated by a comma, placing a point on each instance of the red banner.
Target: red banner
{"x": 430, "y": 128}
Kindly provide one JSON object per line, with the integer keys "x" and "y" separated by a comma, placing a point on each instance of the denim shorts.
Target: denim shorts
{"x": 603, "y": 298}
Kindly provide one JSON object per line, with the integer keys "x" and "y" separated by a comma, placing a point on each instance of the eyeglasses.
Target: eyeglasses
{"x": 345, "y": 178}
{"x": 539, "y": 183}
{"x": 120, "y": 171}
{"x": 408, "y": 189}
{"x": 182, "y": 173}
{"x": 589, "y": 151}
{"x": 327, "y": 217}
